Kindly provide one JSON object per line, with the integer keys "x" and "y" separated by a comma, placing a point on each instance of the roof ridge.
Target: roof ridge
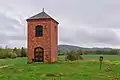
{"x": 42, "y": 15}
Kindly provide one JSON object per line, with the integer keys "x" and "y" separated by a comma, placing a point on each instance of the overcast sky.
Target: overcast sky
{"x": 86, "y": 23}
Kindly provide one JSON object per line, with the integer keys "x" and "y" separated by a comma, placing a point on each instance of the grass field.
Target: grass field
{"x": 87, "y": 69}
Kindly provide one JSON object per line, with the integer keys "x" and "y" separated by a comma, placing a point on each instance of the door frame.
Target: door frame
{"x": 39, "y": 54}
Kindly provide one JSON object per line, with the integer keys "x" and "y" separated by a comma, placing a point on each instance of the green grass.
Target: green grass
{"x": 96, "y": 57}
{"x": 106, "y": 57}
{"x": 87, "y": 69}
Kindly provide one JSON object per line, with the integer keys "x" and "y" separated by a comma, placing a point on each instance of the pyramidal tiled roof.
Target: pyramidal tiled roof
{"x": 41, "y": 15}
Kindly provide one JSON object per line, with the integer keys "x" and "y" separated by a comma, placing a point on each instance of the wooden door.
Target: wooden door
{"x": 39, "y": 53}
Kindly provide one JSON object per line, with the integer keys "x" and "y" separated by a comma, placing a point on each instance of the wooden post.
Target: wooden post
{"x": 101, "y": 59}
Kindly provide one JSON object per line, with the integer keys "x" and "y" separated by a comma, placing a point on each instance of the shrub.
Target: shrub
{"x": 23, "y": 52}
{"x": 61, "y": 53}
{"x": 17, "y": 51}
{"x": 80, "y": 52}
{"x": 12, "y": 54}
{"x": 72, "y": 55}
{"x": 7, "y": 53}
{"x": 4, "y": 53}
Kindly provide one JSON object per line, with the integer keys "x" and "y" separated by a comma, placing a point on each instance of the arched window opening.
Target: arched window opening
{"x": 39, "y": 31}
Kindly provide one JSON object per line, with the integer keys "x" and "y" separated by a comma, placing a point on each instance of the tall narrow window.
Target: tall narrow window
{"x": 39, "y": 31}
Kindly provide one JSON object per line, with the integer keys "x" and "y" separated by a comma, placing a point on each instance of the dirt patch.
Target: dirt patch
{"x": 4, "y": 66}
{"x": 53, "y": 75}
{"x": 99, "y": 75}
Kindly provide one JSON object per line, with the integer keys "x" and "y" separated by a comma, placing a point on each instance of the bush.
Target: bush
{"x": 23, "y": 52}
{"x": 12, "y": 54}
{"x": 61, "y": 53}
{"x": 7, "y": 53}
{"x": 80, "y": 52}
{"x": 4, "y": 53}
{"x": 72, "y": 55}
{"x": 17, "y": 51}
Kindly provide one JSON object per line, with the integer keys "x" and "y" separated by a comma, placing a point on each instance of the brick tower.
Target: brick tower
{"x": 42, "y": 38}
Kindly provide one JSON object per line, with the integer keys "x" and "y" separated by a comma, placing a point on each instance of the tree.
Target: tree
{"x": 23, "y": 52}
{"x": 17, "y": 51}
{"x": 80, "y": 52}
{"x": 98, "y": 52}
{"x": 113, "y": 52}
{"x": 12, "y": 54}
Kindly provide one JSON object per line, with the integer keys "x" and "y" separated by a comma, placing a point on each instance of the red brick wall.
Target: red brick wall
{"x": 54, "y": 42}
{"x": 48, "y": 41}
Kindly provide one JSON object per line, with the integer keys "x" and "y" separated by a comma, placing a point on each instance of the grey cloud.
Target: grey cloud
{"x": 91, "y": 35}
{"x": 8, "y": 23}
{"x": 10, "y": 29}
{"x": 102, "y": 13}
{"x": 81, "y": 21}
{"x": 4, "y": 38}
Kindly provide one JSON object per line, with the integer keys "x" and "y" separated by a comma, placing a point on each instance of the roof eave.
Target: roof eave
{"x": 41, "y": 19}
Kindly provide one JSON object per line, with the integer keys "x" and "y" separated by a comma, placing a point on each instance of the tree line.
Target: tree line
{"x": 103, "y": 52}
{"x": 12, "y": 53}
{"x": 95, "y": 52}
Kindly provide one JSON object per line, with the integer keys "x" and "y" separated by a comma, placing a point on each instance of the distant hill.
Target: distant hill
{"x": 64, "y": 48}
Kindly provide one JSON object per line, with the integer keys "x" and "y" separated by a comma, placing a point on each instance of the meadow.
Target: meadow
{"x": 87, "y": 69}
